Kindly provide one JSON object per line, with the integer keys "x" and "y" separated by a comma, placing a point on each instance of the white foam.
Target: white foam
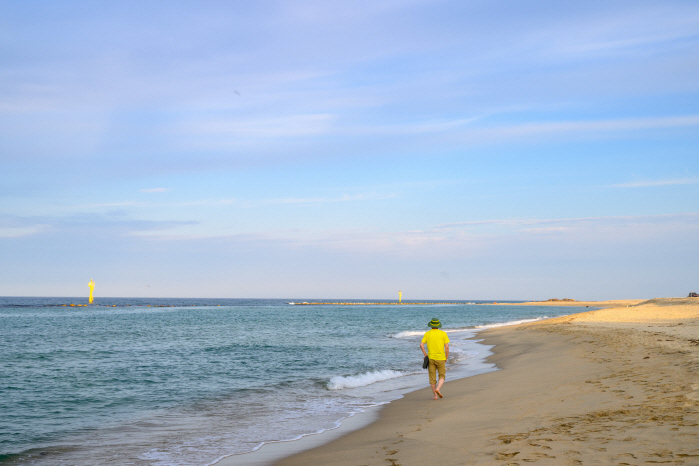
{"x": 407, "y": 334}
{"x": 458, "y": 356}
{"x": 457, "y": 330}
{"x": 415, "y": 333}
{"x": 512, "y": 322}
{"x": 353, "y": 381}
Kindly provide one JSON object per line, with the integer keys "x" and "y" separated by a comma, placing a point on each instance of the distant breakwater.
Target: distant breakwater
{"x": 374, "y": 304}
{"x": 131, "y": 305}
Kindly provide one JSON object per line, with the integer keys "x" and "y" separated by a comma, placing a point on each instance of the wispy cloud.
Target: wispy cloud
{"x": 417, "y": 127}
{"x": 582, "y": 126}
{"x": 155, "y": 190}
{"x": 12, "y": 226}
{"x": 107, "y": 204}
{"x": 325, "y": 200}
{"x": 246, "y": 203}
{"x": 16, "y": 232}
{"x": 644, "y": 26}
{"x": 273, "y": 127}
{"x": 459, "y": 236}
{"x": 619, "y": 219}
{"x": 651, "y": 183}
{"x": 480, "y": 129}
{"x": 84, "y": 223}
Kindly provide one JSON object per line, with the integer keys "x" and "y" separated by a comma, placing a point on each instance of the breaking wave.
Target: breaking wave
{"x": 513, "y": 322}
{"x": 353, "y": 381}
{"x": 415, "y": 333}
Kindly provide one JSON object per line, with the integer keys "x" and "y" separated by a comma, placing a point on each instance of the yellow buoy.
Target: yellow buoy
{"x": 92, "y": 288}
{"x": 400, "y": 296}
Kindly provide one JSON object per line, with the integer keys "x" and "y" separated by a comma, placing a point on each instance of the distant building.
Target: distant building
{"x": 693, "y": 295}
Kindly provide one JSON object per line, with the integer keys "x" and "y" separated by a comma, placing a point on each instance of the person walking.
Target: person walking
{"x": 437, "y": 342}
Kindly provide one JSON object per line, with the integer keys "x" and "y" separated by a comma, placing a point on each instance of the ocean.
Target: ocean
{"x": 190, "y": 381}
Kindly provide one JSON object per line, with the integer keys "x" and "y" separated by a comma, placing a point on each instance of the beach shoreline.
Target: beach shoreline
{"x": 613, "y": 303}
{"x": 616, "y": 385}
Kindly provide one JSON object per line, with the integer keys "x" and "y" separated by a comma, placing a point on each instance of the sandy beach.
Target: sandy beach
{"x": 613, "y": 386}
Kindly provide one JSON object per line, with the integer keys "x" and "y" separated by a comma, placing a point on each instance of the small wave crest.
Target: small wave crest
{"x": 408, "y": 333}
{"x": 353, "y": 381}
{"x": 512, "y": 322}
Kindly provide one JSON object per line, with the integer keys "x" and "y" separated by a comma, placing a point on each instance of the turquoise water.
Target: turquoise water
{"x": 202, "y": 379}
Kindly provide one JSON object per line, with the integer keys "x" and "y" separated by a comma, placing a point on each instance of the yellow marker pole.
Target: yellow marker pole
{"x": 400, "y": 296}
{"x": 92, "y": 288}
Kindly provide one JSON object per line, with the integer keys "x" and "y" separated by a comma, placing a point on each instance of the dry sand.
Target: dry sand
{"x": 610, "y": 387}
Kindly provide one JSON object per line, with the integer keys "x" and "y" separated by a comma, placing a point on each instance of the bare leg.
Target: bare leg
{"x": 434, "y": 390}
{"x": 437, "y": 389}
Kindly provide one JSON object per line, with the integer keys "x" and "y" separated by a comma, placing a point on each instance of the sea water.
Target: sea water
{"x": 189, "y": 381}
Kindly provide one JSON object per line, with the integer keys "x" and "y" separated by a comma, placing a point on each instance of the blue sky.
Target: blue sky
{"x": 300, "y": 149}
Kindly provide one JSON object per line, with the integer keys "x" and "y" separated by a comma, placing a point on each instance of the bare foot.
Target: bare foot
{"x": 438, "y": 393}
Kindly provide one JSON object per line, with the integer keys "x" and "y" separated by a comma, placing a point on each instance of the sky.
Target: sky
{"x": 310, "y": 149}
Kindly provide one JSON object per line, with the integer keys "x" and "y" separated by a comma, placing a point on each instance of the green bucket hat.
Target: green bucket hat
{"x": 435, "y": 323}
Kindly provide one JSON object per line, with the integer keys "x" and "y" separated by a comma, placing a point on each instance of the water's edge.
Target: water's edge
{"x": 270, "y": 452}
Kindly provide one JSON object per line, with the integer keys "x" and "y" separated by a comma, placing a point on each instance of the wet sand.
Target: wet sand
{"x": 614, "y": 386}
